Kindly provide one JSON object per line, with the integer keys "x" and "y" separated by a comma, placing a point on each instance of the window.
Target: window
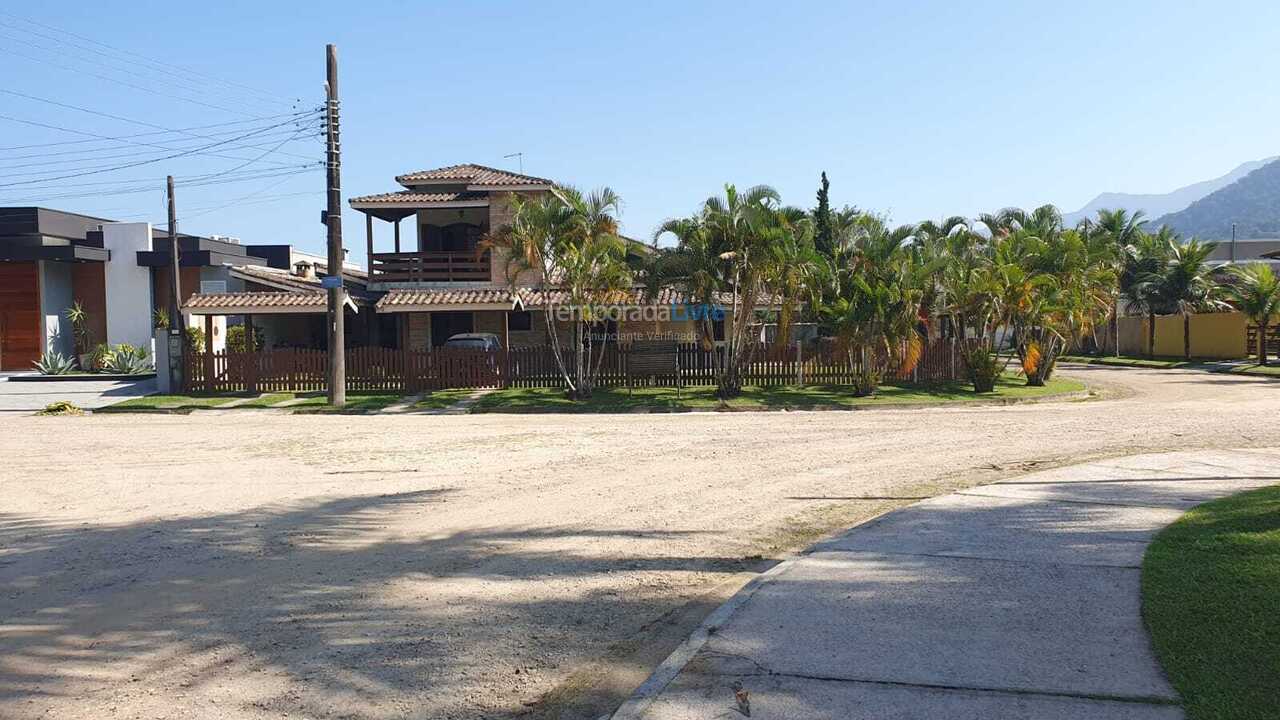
{"x": 458, "y": 237}
{"x": 520, "y": 320}
{"x": 717, "y": 328}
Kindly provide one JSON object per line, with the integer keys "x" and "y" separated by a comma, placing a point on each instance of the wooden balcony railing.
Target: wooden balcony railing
{"x": 429, "y": 267}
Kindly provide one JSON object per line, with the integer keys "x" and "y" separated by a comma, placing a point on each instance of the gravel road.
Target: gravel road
{"x": 252, "y": 565}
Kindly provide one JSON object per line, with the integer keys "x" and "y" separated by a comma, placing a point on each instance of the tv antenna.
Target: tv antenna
{"x": 518, "y": 155}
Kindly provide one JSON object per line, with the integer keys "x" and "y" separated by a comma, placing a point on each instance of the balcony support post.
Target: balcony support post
{"x": 368, "y": 235}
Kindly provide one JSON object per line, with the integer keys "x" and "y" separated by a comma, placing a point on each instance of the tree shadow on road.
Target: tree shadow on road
{"x": 323, "y": 608}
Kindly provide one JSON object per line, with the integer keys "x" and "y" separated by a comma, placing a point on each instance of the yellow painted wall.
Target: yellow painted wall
{"x": 1213, "y": 335}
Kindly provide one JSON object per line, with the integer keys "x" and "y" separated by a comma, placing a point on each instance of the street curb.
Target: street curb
{"x": 635, "y": 706}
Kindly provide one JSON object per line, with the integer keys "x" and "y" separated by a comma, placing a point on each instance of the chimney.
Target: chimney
{"x": 304, "y": 269}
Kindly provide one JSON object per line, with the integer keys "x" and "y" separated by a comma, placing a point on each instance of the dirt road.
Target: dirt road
{"x": 237, "y": 565}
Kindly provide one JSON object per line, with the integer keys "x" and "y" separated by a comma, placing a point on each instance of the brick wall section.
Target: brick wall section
{"x": 500, "y": 214}
{"x": 419, "y": 330}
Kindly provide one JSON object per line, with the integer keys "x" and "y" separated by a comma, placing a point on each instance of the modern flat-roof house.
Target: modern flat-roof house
{"x": 50, "y": 260}
{"x": 119, "y": 273}
{"x": 435, "y": 282}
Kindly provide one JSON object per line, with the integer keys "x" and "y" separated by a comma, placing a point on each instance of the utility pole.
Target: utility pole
{"x": 333, "y": 219}
{"x": 1233, "y": 242}
{"x": 175, "y": 297}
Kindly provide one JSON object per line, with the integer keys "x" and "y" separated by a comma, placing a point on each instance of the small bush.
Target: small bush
{"x": 984, "y": 369}
{"x": 97, "y": 357}
{"x": 126, "y": 359}
{"x": 194, "y": 337}
{"x": 235, "y": 338}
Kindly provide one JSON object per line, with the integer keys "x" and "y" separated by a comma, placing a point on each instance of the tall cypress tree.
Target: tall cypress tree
{"x": 824, "y": 240}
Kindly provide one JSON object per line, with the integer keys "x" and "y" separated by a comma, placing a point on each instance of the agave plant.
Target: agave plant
{"x": 54, "y": 363}
{"x": 126, "y": 359}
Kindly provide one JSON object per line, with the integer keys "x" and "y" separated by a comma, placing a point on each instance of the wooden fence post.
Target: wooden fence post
{"x": 799, "y": 363}
{"x": 208, "y": 353}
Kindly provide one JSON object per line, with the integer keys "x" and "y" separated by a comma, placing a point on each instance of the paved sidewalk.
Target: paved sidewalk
{"x": 1013, "y": 600}
{"x": 28, "y": 397}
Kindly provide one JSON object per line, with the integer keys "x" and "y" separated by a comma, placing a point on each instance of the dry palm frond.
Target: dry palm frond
{"x": 1031, "y": 358}
{"x": 912, "y": 351}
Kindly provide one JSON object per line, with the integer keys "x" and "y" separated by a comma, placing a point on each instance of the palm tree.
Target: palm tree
{"x": 725, "y": 249}
{"x": 1255, "y": 291}
{"x": 872, "y": 301}
{"x": 1123, "y": 229}
{"x": 1143, "y": 257}
{"x": 788, "y": 264}
{"x": 570, "y": 241}
{"x": 1185, "y": 283}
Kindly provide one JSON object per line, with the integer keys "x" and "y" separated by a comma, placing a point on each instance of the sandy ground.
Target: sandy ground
{"x": 237, "y": 565}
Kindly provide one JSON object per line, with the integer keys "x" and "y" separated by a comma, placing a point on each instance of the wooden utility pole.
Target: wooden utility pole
{"x": 333, "y": 219}
{"x": 175, "y": 297}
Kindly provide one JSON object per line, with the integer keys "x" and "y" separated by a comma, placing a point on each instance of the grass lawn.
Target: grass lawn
{"x": 170, "y": 402}
{"x": 357, "y": 402}
{"x": 1211, "y": 599}
{"x": 441, "y": 399}
{"x": 1130, "y": 361}
{"x": 1218, "y": 366}
{"x": 514, "y": 400}
{"x": 1254, "y": 369}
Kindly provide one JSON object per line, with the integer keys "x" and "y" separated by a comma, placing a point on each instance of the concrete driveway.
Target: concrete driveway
{"x": 1012, "y": 600}
{"x": 22, "y": 397}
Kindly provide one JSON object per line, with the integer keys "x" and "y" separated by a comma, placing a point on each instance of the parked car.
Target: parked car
{"x": 474, "y": 341}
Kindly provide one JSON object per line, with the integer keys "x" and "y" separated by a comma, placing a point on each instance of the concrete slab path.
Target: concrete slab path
{"x": 1018, "y": 599}
{"x": 28, "y": 397}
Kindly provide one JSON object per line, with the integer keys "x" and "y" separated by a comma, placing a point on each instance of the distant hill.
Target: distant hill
{"x": 1156, "y": 205}
{"x": 1252, "y": 203}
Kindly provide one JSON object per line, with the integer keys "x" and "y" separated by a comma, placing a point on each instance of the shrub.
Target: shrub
{"x": 97, "y": 356}
{"x": 194, "y": 337}
{"x": 126, "y": 359}
{"x": 984, "y": 368}
{"x": 79, "y": 319}
{"x": 235, "y": 338}
{"x": 54, "y": 363}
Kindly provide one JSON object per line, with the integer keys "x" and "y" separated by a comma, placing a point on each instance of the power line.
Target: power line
{"x": 151, "y": 186}
{"x": 141, "y": 162}
{"x": 148, "y": 181}
{"x": 63, "y": 53}
{"x": 269, "y": 138}
{"x": 159, "y": 64}
{"x": 109, "y": 115}
{"x": 124, "y": 83}
{"x": 139, "y": 144}
{"x": 125, "y": 138}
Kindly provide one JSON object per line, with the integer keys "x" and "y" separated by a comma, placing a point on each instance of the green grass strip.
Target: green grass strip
{"x": 1211, "y": 600}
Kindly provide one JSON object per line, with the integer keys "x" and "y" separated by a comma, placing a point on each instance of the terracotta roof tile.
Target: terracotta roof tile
{"x": 303, "y": 301}
{"x": 450, "y": 296}
{"x": 409, "y": 196}
{"x": 471, "y": 174}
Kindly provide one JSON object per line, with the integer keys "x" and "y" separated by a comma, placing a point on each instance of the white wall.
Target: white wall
{"x": 55, "y": 299}
{"x": 128, "y": 284}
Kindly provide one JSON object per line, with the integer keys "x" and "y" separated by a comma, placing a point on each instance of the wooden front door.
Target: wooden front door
{"x": 19, "y": 315}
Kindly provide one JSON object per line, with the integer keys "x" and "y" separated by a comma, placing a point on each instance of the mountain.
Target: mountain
{"x": 1252, "y": 203}
{"x": 1156, "y": 205}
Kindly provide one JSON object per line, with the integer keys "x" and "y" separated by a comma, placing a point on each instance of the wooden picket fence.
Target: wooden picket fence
{"x": 411, "y": 371}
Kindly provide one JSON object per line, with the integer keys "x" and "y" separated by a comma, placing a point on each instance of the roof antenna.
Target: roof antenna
{"x": 516, "y": 155}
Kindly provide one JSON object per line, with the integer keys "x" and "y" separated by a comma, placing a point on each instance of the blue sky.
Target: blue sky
{"x": 916, "y": 110}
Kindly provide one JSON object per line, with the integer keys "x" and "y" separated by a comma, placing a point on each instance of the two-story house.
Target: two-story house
{"x": 435, "y": 281}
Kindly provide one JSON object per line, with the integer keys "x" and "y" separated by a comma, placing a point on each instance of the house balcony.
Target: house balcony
{"x": 429, "y": 267}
